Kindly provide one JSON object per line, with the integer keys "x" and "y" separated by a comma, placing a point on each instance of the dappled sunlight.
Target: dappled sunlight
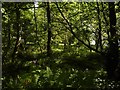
{"x": 60, "y": 45}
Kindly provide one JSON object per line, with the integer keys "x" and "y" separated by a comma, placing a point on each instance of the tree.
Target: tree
{"x": 77, "y": 38}
{"x": 17, "y": 27}
{"x": 99, "y": 30}
{"x": 112, "y": 56}
{"x": 113, "y": 52}
{"x": 49, "y": 29}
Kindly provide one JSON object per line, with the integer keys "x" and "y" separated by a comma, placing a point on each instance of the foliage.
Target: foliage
{"x": 77, "y": 57}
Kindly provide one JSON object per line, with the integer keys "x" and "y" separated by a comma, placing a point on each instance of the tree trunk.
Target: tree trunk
{"x": 112, "y": 54}
{"x": 17, "y": 28}
{"x": 99, "y": 30}
{"x": 49, "y": 30}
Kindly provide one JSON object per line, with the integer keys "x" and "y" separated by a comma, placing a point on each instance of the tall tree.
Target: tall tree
{"x": 17, "y": 27}
{"x": 49, "y": 29}
{"x": 99, "y": 30}
{"x": 113, "y": 52}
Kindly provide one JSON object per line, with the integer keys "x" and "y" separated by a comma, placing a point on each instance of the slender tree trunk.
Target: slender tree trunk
{"x": 16, "y": 29}
{"x": 112, "y": 54}
{"x": 96, "y": 40}
{"x": 49, "y": 30}
{"x": 99, "y": 31}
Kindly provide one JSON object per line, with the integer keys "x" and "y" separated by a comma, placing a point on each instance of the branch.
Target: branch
{"x": 71, "y": 30}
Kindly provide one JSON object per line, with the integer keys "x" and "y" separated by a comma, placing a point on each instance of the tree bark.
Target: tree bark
{"x": 113, "y": 52}
{"x": 49, "y": 30}
{"x": 16, "y": 29}
{"x": 99, "y": 31}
